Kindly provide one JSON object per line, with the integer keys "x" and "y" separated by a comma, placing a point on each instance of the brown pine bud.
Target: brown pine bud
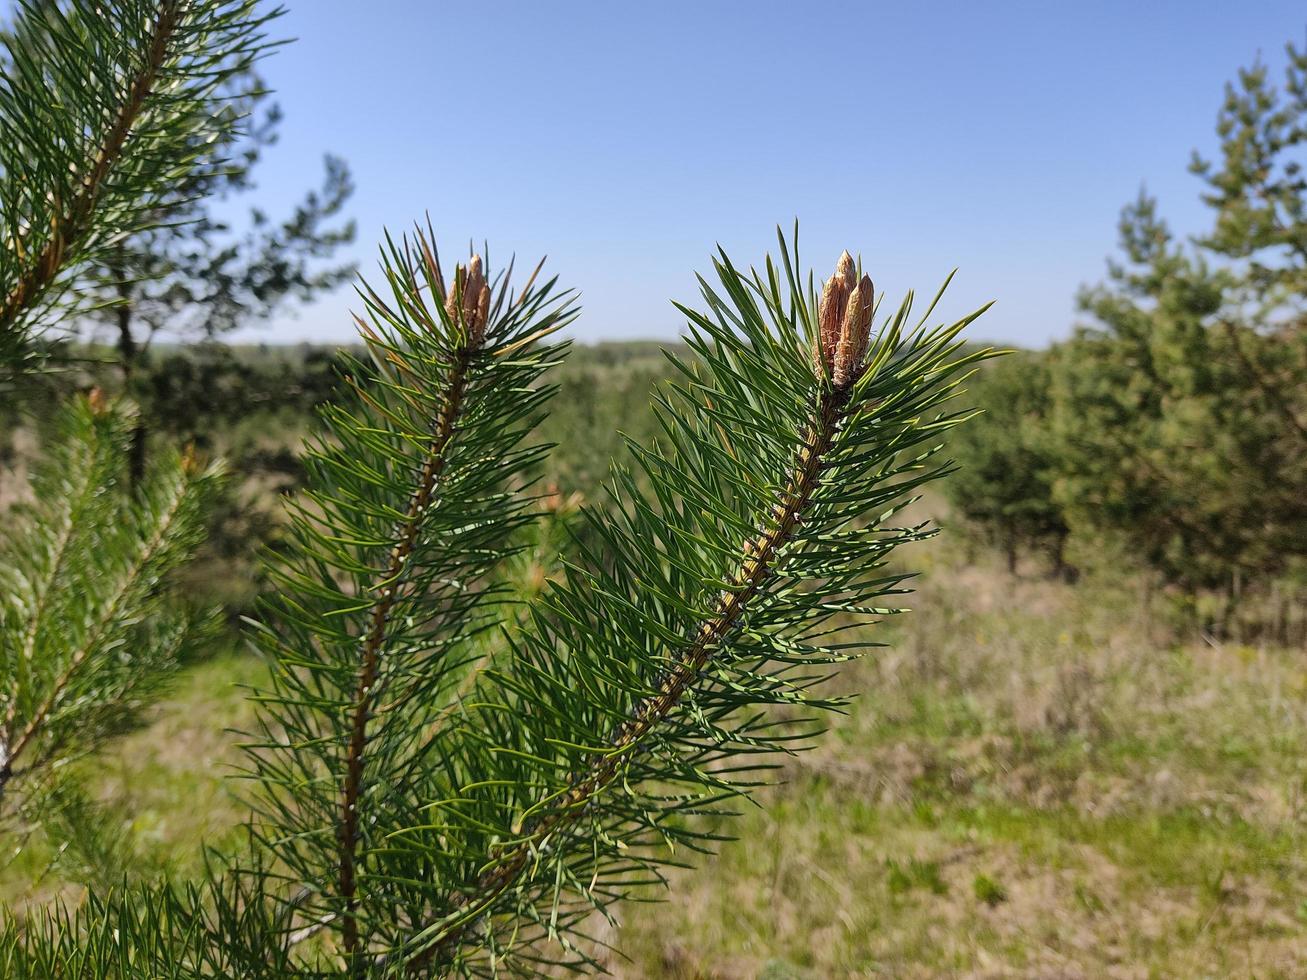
{"x": 482, "y": 313}
{"x": 855, "y": 335}
{"x": 192, "y": 464}
{"x": 97, "y": 402}
{"x": 830, "y": 312}
{"x": 847, "y": 270}
{"x": 469, "y": 300}
{"x": 472, "y": 287}
{"x": 455, "y": 290}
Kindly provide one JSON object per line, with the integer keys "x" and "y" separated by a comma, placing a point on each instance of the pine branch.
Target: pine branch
{"x": 87, "y": 468}
{"x": 707, "y": 600}
{"x": 104, "y": 108}
{"x": 69, "y": 227}
{"x": 754, "y": 565}
{"x": 86, "y": 590}
{"x": 128, "y": 585}
{"x": 414, "y": 498}
{"x": 387, "y": 593}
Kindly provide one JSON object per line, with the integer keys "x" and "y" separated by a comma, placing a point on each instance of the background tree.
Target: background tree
{"x": 1178, "y": 416}
{"x": 196, "y": 274}
{"x": 1006, "y": 460}
{"x": 1132, "y": 397}
{"x": 1175, "y": 422}
{"x": 1258, "y": 191}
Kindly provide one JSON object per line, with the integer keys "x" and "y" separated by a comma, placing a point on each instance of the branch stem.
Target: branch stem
{"x": 388, "y": 593}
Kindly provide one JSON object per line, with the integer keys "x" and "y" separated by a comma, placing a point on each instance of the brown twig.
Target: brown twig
{"x": 370, "y": 664}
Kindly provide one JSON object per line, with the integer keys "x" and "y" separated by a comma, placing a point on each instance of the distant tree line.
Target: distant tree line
{"x": 1174, "y": 423}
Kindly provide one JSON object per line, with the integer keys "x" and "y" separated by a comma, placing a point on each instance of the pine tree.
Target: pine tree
{"x": 103, "y": 109}
{"x": 1007, "y": 461}
{"x": 1182, "y": 410}
{"x": 446, "y": 778}
{"x": 195, "y": 275}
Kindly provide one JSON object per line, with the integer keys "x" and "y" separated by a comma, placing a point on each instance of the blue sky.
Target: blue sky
{"x": 626, "y": 140}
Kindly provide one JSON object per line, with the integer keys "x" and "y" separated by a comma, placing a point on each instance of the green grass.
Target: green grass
{"x": 1028, "y": 786}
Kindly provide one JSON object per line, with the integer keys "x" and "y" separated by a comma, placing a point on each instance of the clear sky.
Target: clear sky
{"x": 627, "y": 139}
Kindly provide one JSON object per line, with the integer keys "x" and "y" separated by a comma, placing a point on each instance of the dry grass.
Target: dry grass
{"x": 1032, "y": 785}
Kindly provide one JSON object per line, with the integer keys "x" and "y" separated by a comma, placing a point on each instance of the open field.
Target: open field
{"x": 1027, "y": 786}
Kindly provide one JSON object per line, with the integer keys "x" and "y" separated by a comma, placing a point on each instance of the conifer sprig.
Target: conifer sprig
{"x": 105, "y": 105}
{"x": 652, "y": 684}
{"x": 220, "y": 927}
{"x": 415, "y": 491}
{"x": 89, "y": 623}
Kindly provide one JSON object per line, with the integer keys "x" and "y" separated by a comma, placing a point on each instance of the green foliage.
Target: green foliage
{"x": 218, "y": 928}
{"x": 1007, "y": 459}
{"x": 440, "y": 797}
{"x": 105, "y": 107}
{"x": 1178, "y": 419}
{"x": 199, "y": 396}
{"x": 1173, "y": 427}
{"x": 638, "y": 693}
{"x": 379, "y": 608}
{"x": 603, "y": 400}
{"x": 89, "y": 625}
{"x": 1258, "y": 189}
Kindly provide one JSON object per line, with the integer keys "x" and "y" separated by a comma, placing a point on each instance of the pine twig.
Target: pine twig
{"x": 83, "y": 653}
{"x": 69, "y": 227}
{"x": 468, "y": 305}
{"x": 840, "y": 347}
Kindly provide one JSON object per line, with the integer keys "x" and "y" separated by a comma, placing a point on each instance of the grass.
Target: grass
{"x": 1029, "y": 785}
